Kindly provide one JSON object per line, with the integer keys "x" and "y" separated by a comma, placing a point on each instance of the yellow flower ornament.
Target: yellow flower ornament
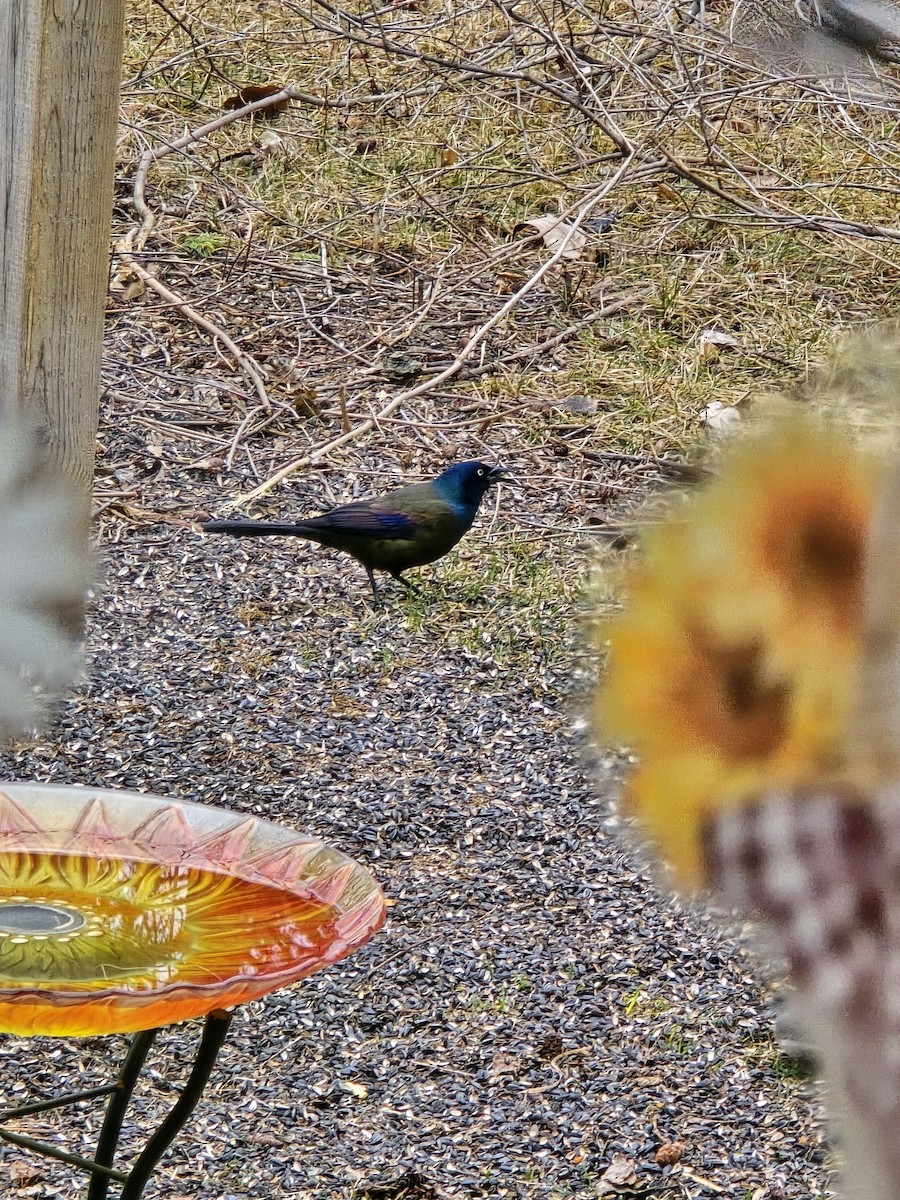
{"x": 733, "y": 665}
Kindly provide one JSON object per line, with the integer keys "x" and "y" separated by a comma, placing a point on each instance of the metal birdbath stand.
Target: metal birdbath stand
{"x": 100, "y": 1167}
{"x": 124, "y": 913}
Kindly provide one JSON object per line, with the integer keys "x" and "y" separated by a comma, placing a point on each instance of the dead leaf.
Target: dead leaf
{"x": 449, "y": 156}
{"x": 619, "y": 1174}
{"x": 253, "y": 92}
{"x": 24, "y": 1173}
{"x": 212, "y": 465}
{"x": 717, "y": 337}
{"x": 365, "y": 145}
{"x": 722, "y": 420}
{"x": 270, "y": 143}
{"x": 554, "y": 230}
{"x": 134, "y": 289}
{"x": 355, "y": 1089}
{"x": 670, "y": 1153}
{"x": 709, "y": 341}
{"x": 506, "y": 282}
{"x": 128, "y": 286}
{"x": 504, "y": 1062}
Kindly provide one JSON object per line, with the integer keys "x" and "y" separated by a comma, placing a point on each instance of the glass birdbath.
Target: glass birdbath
{"x": 122, "y": 912}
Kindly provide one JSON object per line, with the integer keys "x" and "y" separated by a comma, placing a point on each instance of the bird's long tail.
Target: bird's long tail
{"x": 241, "y": 528}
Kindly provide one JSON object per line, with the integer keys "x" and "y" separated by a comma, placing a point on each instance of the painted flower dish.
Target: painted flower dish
{"x": 121, "y": 911}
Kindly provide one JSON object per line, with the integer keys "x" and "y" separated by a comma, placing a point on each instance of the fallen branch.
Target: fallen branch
{"x": 245, "y": 363}
{"x": 136, "y": 238}
{"x": 149, "y": 157}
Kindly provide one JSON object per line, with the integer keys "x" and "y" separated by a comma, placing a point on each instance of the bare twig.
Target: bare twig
{"x": 325, "y": 448}
{"x": 245, "y": 362}
{"x": 149, "y": 157}
{"x": 135, "y": 239}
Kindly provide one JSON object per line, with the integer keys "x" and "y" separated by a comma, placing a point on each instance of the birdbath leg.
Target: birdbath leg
{"x": 115, "y": 1110}
{"x": 214, "y": 1034}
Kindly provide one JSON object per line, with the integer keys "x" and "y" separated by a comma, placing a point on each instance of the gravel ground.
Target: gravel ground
{"x": 534, "y": 1006}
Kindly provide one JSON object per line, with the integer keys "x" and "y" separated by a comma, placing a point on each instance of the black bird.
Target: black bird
{"x": 406, "y": 528}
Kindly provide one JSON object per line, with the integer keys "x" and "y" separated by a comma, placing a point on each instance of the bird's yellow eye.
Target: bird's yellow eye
{"x": 481, "y": 470}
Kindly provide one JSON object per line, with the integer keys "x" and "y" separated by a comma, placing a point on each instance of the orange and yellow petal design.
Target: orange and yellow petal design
{"x": 733, "y": 666}
{"x": 782, "y": 536}
{"x": 121, "y": 912}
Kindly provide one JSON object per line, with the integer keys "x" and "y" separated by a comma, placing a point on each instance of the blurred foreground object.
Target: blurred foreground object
{"x": 824, "y": 36}
{"x": 733, "y": 664}
{"x": 868, "y": 25}
{"x": 44, "y": 575}
{"x": 755, "y": 671}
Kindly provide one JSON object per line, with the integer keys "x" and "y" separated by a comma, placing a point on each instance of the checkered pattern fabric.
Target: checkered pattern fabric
{"x": 822, "y": 867}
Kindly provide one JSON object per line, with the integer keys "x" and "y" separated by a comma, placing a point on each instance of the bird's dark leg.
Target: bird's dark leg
{"x": 371, "y": 575}
{"x": 408, "y": 584}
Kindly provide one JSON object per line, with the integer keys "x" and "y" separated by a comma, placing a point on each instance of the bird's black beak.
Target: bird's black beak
{"x": 495, "y": 474}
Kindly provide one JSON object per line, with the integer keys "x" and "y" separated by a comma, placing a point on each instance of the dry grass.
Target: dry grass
{"x": 432, "y": 134}
{"x": 354, "y": 243}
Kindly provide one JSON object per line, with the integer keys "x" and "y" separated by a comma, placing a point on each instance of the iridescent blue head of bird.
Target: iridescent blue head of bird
{"x": 466, "y": 482}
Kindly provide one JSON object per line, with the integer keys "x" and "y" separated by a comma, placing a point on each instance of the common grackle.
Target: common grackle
{"x": 406, "y": 528}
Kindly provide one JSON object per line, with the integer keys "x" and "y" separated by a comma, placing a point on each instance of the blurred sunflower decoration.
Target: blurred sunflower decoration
{"x": 755, "y": 671}
{"x": 733, "y": 665}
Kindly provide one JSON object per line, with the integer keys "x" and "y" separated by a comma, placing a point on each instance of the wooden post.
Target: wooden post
{"x": 60, "y": 63}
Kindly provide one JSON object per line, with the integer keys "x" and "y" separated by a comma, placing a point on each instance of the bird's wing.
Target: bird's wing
{"x": 367, "y": 519}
